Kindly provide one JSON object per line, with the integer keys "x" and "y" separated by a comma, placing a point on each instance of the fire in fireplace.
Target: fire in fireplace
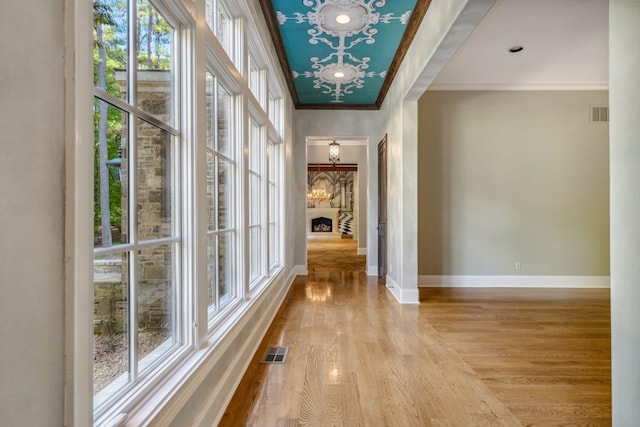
{"x": 321, "y": 225}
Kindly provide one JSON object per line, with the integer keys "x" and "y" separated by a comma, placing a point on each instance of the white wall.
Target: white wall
{"x": 31, "y": 213}
{"x": 624, "y": 91}
{"x": 443, "y": 24}
{"x": 513, "y": 176}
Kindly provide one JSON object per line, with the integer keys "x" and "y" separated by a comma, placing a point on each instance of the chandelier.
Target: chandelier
{"x": 317, "y": 195}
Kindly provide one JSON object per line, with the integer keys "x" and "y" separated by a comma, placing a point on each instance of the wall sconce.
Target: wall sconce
{"x": 334, "y": 152}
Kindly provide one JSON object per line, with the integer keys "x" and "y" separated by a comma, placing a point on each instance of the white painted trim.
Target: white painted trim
{"x": 299, "y": 270}
{"x": 254, "y": 320}
{"x": 523, "y": 86}
{"x": 372, "y": 270}
{"x": 403, "y": 296}
{"x": 515, "y": 281}
{"x": 216, "y": 404}
{"x": 362, "y": 251}
{"x": 78, "y": 51}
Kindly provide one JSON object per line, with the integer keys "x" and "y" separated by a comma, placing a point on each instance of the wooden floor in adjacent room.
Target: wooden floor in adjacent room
{"x": 462, "y": 357}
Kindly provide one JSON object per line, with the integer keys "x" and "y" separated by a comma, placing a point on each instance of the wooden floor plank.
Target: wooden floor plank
{"x": 463, "y": 357}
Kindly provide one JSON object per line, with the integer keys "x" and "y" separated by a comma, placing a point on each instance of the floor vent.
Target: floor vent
{"x": 276, "y": 355}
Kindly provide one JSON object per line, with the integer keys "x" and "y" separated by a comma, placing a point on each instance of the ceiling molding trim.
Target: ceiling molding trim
{"x": 412, "y": 28}
{"x": 516, "y": 87}
{"x": 272, "y": 24}
{"x": 337, "y": 107}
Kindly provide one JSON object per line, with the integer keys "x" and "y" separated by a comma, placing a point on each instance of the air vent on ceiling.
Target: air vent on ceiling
{"x": 599, "y": 113}
{"x": 276, "y": 355}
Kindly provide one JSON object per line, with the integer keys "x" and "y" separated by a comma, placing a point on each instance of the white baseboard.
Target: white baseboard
{"x": 403, "y": 296}
{"x": 299, "y": 270}
{"x": 214, "y": 406}
{"x": 362, "y": 251}
{"x": 372, "y": 270}
{"x": 515, "y": 281}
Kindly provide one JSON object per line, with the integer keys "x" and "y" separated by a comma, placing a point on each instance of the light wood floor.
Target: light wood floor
{"x": 463, "y": 357}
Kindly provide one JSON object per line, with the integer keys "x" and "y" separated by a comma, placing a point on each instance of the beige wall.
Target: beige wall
{"x": 508, "y": 177}
{"x": 32, "y": 213}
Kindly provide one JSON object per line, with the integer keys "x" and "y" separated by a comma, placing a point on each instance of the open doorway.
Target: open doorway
{"x": 336, "y": 214}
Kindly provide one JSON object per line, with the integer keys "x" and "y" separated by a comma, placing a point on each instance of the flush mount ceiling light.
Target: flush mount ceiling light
{"x": 343, "y": 18}
{"x": 338, "y": 74}
{"x": 515, "y": 49}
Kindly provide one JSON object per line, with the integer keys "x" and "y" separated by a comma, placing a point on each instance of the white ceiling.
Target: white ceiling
{"x": 565, "y": 47}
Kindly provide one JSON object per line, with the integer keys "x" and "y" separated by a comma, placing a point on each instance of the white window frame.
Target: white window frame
{"x": 216, "y": 315}
{"x": 274, "y": 201}
{"x": 197, "y": 339}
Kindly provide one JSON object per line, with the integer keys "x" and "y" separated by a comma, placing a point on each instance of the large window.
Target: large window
{"x": 136, "y": 180}
{"x": 221, "y": 203}
{"x": 257, "y": 239}
{"x": 187, "y": 194}
{"x": 274, "y": 157}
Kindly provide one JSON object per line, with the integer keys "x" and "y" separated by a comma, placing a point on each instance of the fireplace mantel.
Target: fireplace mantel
{"x": 331, "y": 213}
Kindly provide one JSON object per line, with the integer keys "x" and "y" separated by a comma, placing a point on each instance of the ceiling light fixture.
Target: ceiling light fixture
{"x": 343, "y": 18}
{"x": 334, "y": 152}
{"x": 516, "y": 49}
{"x": 338, "y": 74}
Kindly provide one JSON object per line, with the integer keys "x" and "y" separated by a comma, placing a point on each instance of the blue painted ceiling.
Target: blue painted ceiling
{"x": 330, "y": 63}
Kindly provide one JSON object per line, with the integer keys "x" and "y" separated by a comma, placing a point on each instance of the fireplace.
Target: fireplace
{"x": 321, "y": 225}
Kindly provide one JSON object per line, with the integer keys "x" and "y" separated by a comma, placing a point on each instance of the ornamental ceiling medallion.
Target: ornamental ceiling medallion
{"x": 343, "y": 26}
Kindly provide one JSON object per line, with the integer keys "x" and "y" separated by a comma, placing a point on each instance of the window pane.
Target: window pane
{"x": 155, "y": 56}
{"x": 212, "y": 272}
{"x": 155, "y": 303}
{"x": 273, "y": 256}
{"x": 110, "y": 323}
{"x": 224, "y": 116}
{"x": 255, "y": 80}
{"x": 210, "y": 13}
{"x": 210, "y": 100}
{"x": 110, "y": 47}
{"x": 272, "y": 202}
{"x": 110, "y": 175}
{"x": 225, "y": 195}
{"x": 225, "y": 268}
{"x": 255, "y": 208}
{"x": 211, "y": 191}
{"x": 155, "y": 182}
{"x": 223, "y": 27}
{"x": 220, "y": 23}
{"x": 255, "y": 268}
{"x": 255, "y": 153}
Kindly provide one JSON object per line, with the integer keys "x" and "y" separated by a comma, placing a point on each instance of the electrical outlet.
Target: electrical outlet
{"x": 518, "y": 266}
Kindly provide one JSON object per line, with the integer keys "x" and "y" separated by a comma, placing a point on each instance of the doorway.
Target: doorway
{"x": 382, "y": 209}
{"x": 337, "y": 206}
